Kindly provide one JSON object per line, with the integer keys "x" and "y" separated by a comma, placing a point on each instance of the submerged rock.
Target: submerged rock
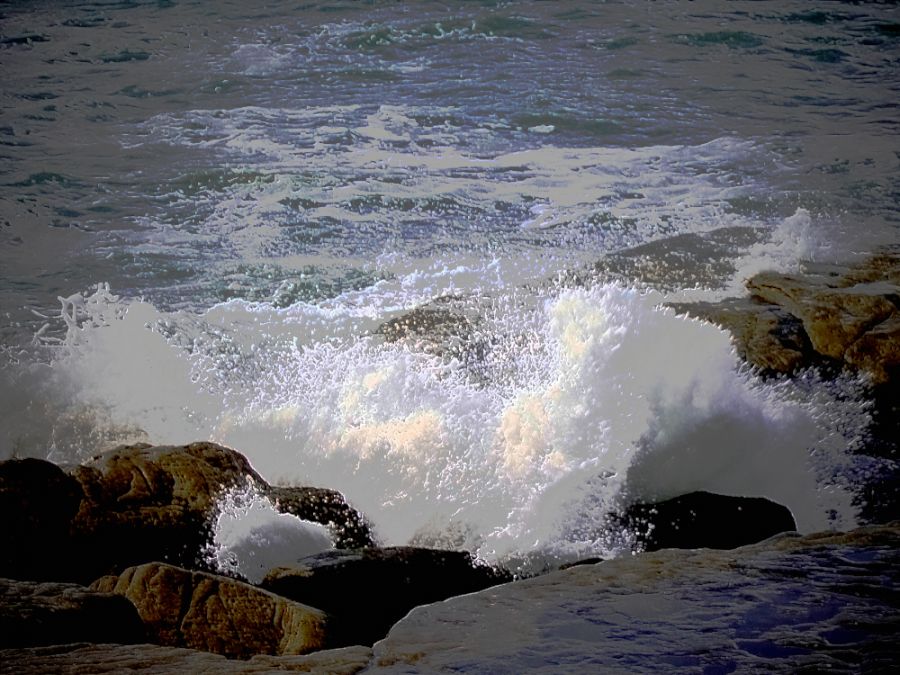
{"x": 203, "y": 611}
{"x": 97, "y": 659}
{"x": 47, "y": 613}
{"x": 789, "y": 604}
{"x": 706, "y": 520}
{"x": 368, "y": 591}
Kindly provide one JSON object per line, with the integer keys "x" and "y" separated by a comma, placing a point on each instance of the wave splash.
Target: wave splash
{"x": 581, "y": 401}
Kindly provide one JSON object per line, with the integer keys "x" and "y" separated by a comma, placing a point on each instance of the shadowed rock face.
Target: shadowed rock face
{"x": 47, "y": 613}
{"x": 136, "y": 504}
{"x": 705, "y": 520}
{"x": 37, "y": 504}
{"x": 367, "y": 591}
{"x": 215, "y": 614}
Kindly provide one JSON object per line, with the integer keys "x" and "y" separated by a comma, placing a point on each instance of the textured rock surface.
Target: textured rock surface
{"x": 136, "y": 504}
{"x": 328, "y": 507}
{"x": 203, "y": 611}
{"x": 845, "y": 315}
{"x": 367, "y": 591}
{"x": 37, "y": 503}
{"x": 790, "y": 604}
{"x": 147, "y": 503}
{"x": 705, "y": 520}
{"x": 88, "y": 659}
{"x": 47, "y": 613}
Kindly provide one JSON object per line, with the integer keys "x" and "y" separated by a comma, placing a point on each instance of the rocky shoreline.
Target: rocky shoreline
{"x": 102, "y": 568}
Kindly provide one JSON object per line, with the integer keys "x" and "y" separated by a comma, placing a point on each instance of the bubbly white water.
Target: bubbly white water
{"x": 251, "y": 537}
{"x": 581, "y": 400}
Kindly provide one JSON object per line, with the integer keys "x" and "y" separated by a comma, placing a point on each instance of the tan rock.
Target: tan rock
{"x": 146, "y": 503}
{"x": 203, "y": 611}
{"x": 834, "y": 318}
{"x": 766, "y": 336}
{"x": 90, "y": 659}
{"x": 878, "y": 350}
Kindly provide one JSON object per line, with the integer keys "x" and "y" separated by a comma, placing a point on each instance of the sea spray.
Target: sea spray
{"x": 250, "y": 536}
{"x": 583, "y": 400}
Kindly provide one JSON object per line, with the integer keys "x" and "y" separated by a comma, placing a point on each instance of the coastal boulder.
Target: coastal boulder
{"x": 48, "y": 613}
{"x": 181, "y": 608}
{"x": 706, "y": 520}
{"x": 839, "y": 316}
{"x": 37, "y": 504}
{"x": 147, "y": 503}
{"x": 367, "y": 591}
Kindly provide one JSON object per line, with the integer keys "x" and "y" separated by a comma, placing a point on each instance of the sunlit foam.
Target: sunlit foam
{"x": 585, "y": 399}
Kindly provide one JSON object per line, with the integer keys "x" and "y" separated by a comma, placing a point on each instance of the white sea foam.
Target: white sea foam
{"x": 582, "y": 400}
{"x": 251, "y": 537}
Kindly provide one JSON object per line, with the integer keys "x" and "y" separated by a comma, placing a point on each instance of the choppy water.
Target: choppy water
{"x": 207, "y": 210}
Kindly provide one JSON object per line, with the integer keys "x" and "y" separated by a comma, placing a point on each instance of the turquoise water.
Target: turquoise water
{"x": 207, "y": 210}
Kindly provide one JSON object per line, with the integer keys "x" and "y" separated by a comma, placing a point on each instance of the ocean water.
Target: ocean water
{"x": 209, "y": 213}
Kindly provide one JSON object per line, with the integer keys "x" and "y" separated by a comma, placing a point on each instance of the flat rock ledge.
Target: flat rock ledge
{"x": 99, "y": 659}
{"x": 825, "y": 602}
{"x": 815, "y": 603}
{"x": 202, "y": 611}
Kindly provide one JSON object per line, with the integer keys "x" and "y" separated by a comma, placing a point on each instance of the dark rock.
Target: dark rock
{"x": 706, "y": 520}
{"x": 367, "y": 591}
{"x": 47, "y": 613}
{"x": 216, "y": 614}
{"x": 37, "y": 504}
{"x": 327, "y": 507}
{"x": 98, "y": 659}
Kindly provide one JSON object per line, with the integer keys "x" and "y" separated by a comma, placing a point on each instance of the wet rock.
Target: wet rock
{"x": 327, "y": 507}
{"x": 367, "y": 591}
{"x": 833, "y": 318}
{"x": 37, "y": 504}
{"x": 48, "y": 613}
{"x": 443, "y": 328}
{"x": 706, "y": 520}
{"x": 846, "y": 316}
{"x": 767, "y": 336}
{"x": 203, "y": 611}
{"x": 790, "y": 604}
{"x": 144, "y": 503}
{"x": 97, "y": 659}
{"x": 147, "y": 503}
